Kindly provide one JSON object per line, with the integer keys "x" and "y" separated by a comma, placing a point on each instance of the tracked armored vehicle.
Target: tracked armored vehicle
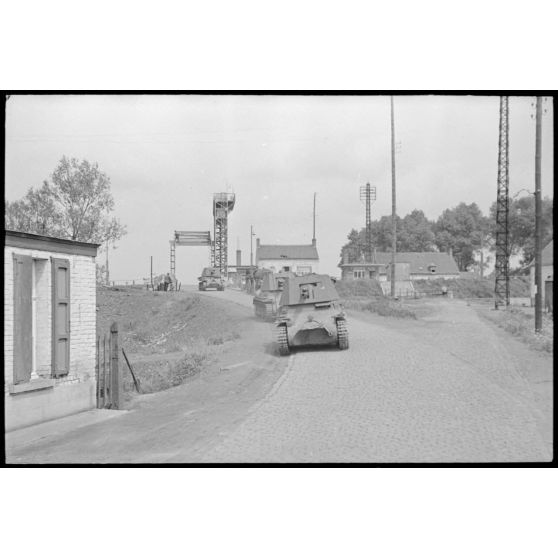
{"x": 310, "y": 314}
{"x": 211, "y": 279}
{"x": 269, "y": 287}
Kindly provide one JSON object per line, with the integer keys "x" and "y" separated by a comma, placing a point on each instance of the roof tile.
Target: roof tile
{"x": 286, "y": 251}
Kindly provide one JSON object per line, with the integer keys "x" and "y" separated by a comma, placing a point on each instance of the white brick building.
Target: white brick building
{"x": 547, "y": 276}
{"x": 49, "y": 328}
{"x": 298, "y": 258}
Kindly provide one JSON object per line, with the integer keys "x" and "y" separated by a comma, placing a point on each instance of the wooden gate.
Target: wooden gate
{"x": 107, "y": 370}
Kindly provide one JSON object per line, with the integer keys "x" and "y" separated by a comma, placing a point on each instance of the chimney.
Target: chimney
{"x": 345, "y": 256}
{"x": 238, "y": 258}
{"x": 257, "y": 242}
{"x": 314, "y": 242}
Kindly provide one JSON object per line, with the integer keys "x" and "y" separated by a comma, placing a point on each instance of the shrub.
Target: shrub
{"x": 215, "y": 341}
{"x": 472, "y": 287}
{"x": 521, "y": 325}
{"x": 187, "y": 366}
{"x": 360, "y": 287}
{"x": 382, "y": 306}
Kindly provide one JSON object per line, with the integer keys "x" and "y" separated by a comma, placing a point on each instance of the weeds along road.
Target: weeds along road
{"x": 445, "y": 388}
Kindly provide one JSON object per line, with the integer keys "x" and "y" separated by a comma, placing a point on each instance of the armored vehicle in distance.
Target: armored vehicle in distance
{"x": 310, "y": 314}
{"x": 269, "y": 287}
{"x": 211, "y": 279}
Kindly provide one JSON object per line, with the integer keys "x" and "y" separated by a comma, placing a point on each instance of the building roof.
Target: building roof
{"x": 287, "y": 252}
{"x": 547, "y": 255}
{"x": 49, "y": 243}
{"x": 419, "y": 262}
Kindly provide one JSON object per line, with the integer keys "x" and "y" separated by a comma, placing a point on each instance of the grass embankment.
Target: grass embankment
{"x": 168, "y": 337}
{"x": 366, "y": 296}
{"x": 472, "y": 287}
{"x": 521, "y": 324}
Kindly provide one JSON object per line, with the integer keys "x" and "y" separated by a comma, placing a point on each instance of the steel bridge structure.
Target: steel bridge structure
{"x": 223, "y": 204}
{"x": 187, "y": 238}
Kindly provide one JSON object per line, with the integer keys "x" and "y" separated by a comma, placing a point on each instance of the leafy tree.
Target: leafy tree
{"x": 382, "y": 233}
{"x": 76, "y": 204}
{"x": 521, "y": 225}
{"x": 355, "y": 245}
{"x": 35, "y": 213}
{"x": 414, "y": 233}
{"x": 462, "y": 229}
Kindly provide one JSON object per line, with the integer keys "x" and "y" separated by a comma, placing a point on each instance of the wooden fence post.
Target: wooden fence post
{"x": 105, "y": 372}
{"x": 97, "y": 375}
{"x": 115, "y": 376}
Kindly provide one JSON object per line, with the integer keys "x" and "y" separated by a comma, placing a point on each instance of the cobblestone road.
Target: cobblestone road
{"x": 445, "y": 388}
{"x": 392, "y": 397}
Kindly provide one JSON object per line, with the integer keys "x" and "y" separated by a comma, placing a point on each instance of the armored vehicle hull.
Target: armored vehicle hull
{"x": 211, "y": 279}
{"x": 269, "y": 287}
{"x": 310, "y": 315}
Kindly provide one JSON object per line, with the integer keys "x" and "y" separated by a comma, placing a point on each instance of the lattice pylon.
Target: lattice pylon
{"x": 368, "y": 195}
{"x": 223, "y": 204}
{"x": 502, "y": 268}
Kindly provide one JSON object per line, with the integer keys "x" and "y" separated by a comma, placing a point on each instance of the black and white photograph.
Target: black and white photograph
{"x": 237, "y": 278}
{"x": 278, "y": 279}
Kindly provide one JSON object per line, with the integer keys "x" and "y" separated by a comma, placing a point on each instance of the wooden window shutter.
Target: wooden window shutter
{"x": 60, "y": 317}
{"x": 23, "y": 318}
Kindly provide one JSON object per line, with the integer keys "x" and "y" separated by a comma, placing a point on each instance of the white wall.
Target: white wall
{"x": 546, "y": 271}
{"x": 293, "y": 264}
{"x": 46, "y": 404}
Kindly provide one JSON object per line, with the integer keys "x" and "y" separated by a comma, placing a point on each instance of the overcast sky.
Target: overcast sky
{"x": 167, "y": 155}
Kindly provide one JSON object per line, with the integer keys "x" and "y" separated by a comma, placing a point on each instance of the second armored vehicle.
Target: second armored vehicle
{"x": 211, "y": 279}
{"x": 310, "y": 314}
{"x": 269, "y": 287}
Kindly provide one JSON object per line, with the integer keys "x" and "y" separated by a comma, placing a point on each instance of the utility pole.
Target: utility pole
{"x": 393, "y": 224}
{"x": 151, "y": 272}
{"x": 538, "y": 218}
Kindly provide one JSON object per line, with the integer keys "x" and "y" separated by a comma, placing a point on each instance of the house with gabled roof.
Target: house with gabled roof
{"x": 409, "y": 266}
{"x": 297, "y": 258}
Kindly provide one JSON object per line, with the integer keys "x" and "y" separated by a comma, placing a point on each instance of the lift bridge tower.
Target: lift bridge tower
{"x": 223, "y": 204}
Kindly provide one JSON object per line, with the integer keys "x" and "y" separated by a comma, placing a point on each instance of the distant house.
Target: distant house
{"x": 298, "y": 258}
{"x": 49, "y": 328}
{"x": 547, "y": 275}
{"x": 409, "y": 266}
